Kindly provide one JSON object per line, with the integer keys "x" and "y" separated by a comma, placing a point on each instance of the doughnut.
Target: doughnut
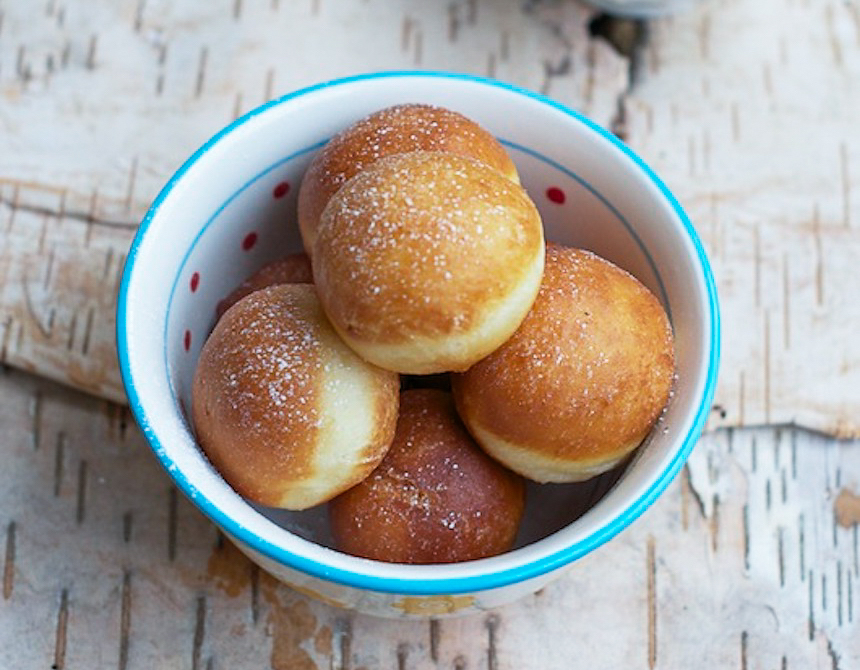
{"x": 426, "y": 262}
{"x": 286, "y": 412}
{"x": 394, "y": 130}
{"x": 434, "y": 498}
{"x": 291, "y": 269}
{"x": 582, "y": 381}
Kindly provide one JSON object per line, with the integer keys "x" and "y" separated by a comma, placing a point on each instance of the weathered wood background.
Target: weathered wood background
{"x": 747, "y": 108}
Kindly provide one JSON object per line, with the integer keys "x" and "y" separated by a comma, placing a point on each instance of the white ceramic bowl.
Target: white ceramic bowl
{"x": 231, "y": 207}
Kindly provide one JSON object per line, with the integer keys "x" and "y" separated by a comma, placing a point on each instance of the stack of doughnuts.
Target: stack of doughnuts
{"x": 425, "y": 259}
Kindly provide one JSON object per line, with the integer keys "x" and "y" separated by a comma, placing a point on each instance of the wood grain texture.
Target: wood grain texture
{"x": 743, "y": 561}
{"x": 748, "y": 110}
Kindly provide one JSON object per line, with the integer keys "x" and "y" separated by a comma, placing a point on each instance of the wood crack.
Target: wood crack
{"x": 434, "y": 640}
{"x": 492, "y": 624}
{"x": 62, "y": 627}
{"x": 697, "y": 497}
{"x": 88, "y": 218}
{"x": 629, "y": 38}
{"x": 651, "y": 587}
{"x": 124, "y": 620}
{"x": 9, "y": 563}
{"x": 199, "y": 633}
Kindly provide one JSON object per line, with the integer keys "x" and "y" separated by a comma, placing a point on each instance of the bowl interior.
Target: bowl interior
{"x": 232, "y": 207}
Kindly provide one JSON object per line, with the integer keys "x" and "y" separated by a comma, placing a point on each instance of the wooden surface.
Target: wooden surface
{"x": 748, "y": 110}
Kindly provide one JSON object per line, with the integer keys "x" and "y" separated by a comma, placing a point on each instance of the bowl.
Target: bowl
{"x": 232, "y": 207}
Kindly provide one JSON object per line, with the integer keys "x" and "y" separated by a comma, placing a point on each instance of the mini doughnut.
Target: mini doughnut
{"x": 286, "y": 412}
{"x": 581, "y": 382}
{"x": 426, "y": 262}
{"x": 394, "y": 130}
{"x": 435, "y": 498}
{"x": 291, "y": 269}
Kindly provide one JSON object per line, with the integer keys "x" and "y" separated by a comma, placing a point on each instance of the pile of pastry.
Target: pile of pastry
{"x": 428, "y": 352}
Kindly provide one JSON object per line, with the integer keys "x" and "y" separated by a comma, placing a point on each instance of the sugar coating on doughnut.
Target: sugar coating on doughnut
{"x": 426, "y": 262}
{"x": 581, "y": 382}
{"x": 394, "y": 130}
{"x": 434, "y": 498}
{"x": 286, "y": 412}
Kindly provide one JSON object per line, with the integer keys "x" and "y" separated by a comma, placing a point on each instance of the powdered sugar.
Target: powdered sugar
{"x": 268, "y": 355}
{"x": 424, "y": 231}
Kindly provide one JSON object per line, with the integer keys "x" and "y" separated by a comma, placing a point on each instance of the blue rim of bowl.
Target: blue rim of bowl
{"x": 444, "y": 585}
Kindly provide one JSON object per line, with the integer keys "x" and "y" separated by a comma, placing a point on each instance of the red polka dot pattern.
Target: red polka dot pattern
{"x": 195, "y": 281}
{"x": 556, "y": 195}
{"x": 281, "y": 189}
{"x": 249, "y": 241}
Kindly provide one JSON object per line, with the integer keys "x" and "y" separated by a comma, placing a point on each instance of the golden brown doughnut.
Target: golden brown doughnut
{"x": 426, "y": 262}
{"x": 435, "y": 497}
{"x": 291, "y": 269}
{"x": 285, "y": 411}
{"x": 581, "y": 382}
{"x": 395, "y": 130}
